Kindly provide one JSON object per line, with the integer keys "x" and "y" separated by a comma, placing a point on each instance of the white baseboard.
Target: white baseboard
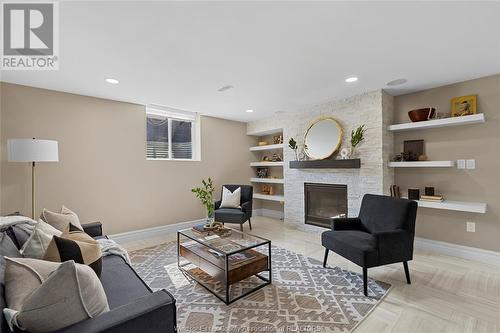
{"x": 460, "y": 251}
{"x": 275, "y": 214}
{"x": 137, "y": 235}
{"x": 455, "y": 250}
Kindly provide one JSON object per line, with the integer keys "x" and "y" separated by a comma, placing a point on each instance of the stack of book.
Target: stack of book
{"x": 433, "y": 198}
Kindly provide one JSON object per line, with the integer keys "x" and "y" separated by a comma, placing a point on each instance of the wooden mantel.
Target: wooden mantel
{"x": 330, "y": 163}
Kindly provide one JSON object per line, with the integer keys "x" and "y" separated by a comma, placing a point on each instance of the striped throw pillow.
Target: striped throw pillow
{"x": 74, "y": 244}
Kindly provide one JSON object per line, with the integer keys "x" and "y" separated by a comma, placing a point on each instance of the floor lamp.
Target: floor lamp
{"x": 32, "y": 151}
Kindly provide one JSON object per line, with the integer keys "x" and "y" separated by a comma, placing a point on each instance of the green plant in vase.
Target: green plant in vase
{"x": 292, "y": 144}
{"x": 205, "y": 193}
{"x": 357, "y": 136}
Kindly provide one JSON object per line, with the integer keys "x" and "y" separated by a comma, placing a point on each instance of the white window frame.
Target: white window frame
{"x": 175, "y": 114}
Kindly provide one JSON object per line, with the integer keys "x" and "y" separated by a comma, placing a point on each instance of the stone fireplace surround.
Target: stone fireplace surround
{"x": 375, "y": 110}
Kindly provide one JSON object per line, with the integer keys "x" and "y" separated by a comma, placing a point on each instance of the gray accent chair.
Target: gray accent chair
{"x": 236, "y": 215}
{"x": 382, "y": 234}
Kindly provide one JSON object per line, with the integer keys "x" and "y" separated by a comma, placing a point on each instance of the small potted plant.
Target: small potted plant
{"x": 292, "y": 144}
{"x": 205, "y": 194}
{"x": 357, "y": 136}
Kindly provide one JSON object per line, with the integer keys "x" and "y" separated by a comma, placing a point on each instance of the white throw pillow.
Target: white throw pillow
{"x": 230, "y": 199}
{"x": 37, "y": 243}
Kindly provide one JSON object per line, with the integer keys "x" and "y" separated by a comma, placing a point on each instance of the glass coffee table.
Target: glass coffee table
{"x": 226, "y": 259}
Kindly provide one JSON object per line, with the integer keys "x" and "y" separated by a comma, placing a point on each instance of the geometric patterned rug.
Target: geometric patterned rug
{"x": 303, "y": 297}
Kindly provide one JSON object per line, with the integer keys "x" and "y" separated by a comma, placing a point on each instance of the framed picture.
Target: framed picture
{"x": 463, "y": 106}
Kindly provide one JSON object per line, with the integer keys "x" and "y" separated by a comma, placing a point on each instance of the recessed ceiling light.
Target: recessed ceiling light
{"x": 249, "y": 111}
{"x": 111, "y": 80}
{"x": 221, "y": 89}
{"x": 397, "y": 82}
{"x": 351, "y": 79}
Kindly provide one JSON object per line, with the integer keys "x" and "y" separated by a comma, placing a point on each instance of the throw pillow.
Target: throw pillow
{"x": 62, "y": 219}
{"x": 38, "y": 242}
{"x": 7, "y": 249}
{"x": 230, "y": 199}
{"x": 74, "y": 244}
{"x": 43, "y": 296}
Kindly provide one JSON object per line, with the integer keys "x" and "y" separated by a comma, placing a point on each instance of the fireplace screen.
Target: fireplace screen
{"x": 324, "y": 202}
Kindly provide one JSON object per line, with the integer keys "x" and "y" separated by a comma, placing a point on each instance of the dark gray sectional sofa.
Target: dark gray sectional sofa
{"x": 133, "y": 306}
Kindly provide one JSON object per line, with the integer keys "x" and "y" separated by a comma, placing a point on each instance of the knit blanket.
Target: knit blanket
{"x": 110, "y": 247}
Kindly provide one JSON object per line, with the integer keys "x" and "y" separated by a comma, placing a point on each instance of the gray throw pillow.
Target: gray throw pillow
{"x": 7, "y": 249}
{"x": 51, "y": 295}
{"x": 38, "y": 242}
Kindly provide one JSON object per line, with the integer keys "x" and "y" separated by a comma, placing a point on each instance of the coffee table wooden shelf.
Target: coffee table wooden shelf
{"x": 217, "y": 257}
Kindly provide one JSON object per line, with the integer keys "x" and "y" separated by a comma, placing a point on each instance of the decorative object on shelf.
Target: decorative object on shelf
{"x": 276, "y": 158}
{"x": 302, "y": 155}
{"x": 292, "y": 144}
{"x": 413, "y": 149}
{"x": 205, "y": 194}
{"x": 322, "y": 138}
{"x": 432, "y": 198}
{"x": 395, "y": 191}
{"x": 277, "y": 139}
{"x": 413, "y": 194}
{"x": 32, "y": 151}
{"x": 423, "y": 157}
{"x": 271, "y": 190}
{"x": 262, "y": 172}
{"x": 267, "y": 189}
{"x": 265, "y": 158}
{"x": 262, "y": 143}
{"x": 345, "y": 153}
{"x": 357, "y": 137}
{"x": 429, "y": 191}
{"x": 463, "y": 106}
{"x": 422, "y": 114}
{"x": 400, "y": 157}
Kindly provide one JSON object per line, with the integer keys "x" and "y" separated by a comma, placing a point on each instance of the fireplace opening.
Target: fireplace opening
{"x": 324, "y": 202}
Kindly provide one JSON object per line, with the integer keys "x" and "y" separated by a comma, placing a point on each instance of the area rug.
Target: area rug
{"x": 304, "y": 296}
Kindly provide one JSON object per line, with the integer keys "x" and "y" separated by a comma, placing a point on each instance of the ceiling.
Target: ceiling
{"x": 279, "y": 56}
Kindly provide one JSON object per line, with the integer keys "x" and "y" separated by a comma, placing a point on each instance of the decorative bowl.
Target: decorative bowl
{"x": 422, "y": 114}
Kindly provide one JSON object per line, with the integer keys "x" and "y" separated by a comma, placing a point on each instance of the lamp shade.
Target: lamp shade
{"x": 32, "y": 150}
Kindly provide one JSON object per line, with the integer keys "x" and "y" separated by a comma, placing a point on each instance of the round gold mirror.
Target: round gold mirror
{"x": 323, "y": 138}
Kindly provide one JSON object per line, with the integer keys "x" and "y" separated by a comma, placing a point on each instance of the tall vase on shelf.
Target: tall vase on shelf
{"x": 205, "y": 194}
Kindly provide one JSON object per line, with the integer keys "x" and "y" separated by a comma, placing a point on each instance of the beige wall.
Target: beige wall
{"x": 103, "y": 173}
{"x": 479, "y": 142}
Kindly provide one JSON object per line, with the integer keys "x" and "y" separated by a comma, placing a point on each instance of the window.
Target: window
{"x": 172, "y": 134}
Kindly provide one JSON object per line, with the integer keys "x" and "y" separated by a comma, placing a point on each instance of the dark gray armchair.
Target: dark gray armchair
{"x": 236, "y": 215}
{"x": 382, "y": 234}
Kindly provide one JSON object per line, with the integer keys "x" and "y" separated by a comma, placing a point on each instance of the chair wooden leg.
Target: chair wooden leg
{"x": 365, "y": 281}
{"x": 407, "y": 272}
{"x": 325, "y": 258}
{"x": 241, "y": 227}
{"x": 250, "y": 224}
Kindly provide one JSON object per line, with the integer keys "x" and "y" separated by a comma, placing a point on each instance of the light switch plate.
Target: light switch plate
{"x": 460, "y": 164}
{"x": 471, "y": 164}
{"x": 471, "y": 226}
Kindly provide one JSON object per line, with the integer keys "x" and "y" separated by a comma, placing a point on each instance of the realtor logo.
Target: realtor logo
{"x": 30, "y": 36}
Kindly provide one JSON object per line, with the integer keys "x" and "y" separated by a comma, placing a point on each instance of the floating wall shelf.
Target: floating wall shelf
{"x": 266, "y": 132}
{"x": 472, "y": 207}
{"x": 268, "y": 180}
{"x": 422, "y": 164}
{"x": 266, "y": 164}
{"x": 437, "y": 123}
{"x": 260, "y": 196}
{"x": 267, "y": 147}
{"x": 327, "y": 164}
